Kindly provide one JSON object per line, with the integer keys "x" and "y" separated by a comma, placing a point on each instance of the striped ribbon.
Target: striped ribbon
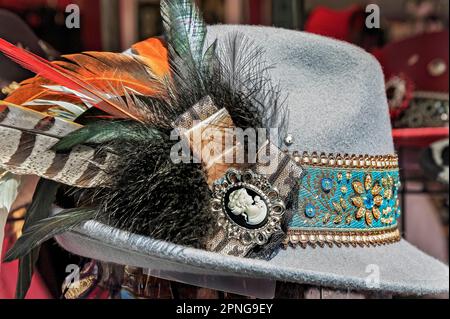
{"x": 205, "y": 117}
{"x": 276, "y": 166}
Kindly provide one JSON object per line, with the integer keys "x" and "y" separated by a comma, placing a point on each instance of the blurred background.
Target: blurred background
{"x": 410, "y": 39}
{"x": 115, "y": 24}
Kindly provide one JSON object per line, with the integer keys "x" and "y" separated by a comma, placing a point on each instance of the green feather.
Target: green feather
{"x": 185, "y": 29}
{"x": 210, "y": 60}
{"x": 40, "y": 208}
{"x": 47, "y": 228}
{"x": 26, "y": 271}
{"x": 104, "y": 132}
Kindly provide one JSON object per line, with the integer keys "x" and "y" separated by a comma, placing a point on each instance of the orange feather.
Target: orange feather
{"x": 154, "y": 52}
{"x": 67, "y": 76}
{"x": 106, "y": 71}
{"x": 111, "y": 71}
{"x": 32, "y": 89}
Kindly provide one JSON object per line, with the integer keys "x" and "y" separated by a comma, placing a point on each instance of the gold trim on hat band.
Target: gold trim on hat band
{"x": 349, "y": 200}
{"x": 303, "y": 237}
{"x": 346, "y": 160}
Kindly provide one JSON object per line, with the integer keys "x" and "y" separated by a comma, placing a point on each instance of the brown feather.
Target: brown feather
{"x": 27, "y": 152}
{"x": 26, "y": 138}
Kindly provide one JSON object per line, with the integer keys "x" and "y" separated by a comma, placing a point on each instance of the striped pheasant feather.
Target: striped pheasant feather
{"x": 16, "y": 116}
{"x": 26, "y": 139}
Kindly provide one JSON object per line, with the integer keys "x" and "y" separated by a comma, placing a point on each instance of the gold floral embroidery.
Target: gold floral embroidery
{"x": 367, "y": 200}
{"x": 388, "y": 184}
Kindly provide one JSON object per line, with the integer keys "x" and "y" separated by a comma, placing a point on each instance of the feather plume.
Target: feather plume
{"x": 247, "y": 86}
{"x": 185, "y": 30}
{"x": 235, "y": 75}
{"x": 26, "y": 138}
{"x": 148, "y": 192}
{"x": 106, "y": 70}
{"x": 152, "y": 196}
{"x": 153, "y": 53}
{"x": 114, "y": 73}
{"x": 47, "y": 228}
{"x": 39, "y": 209}
{"x": 27, "y": 152}
{"x": 64, "y": 77}
{"x": 59, "y": 109}
{"x": 38, "y": 65}
{"x": 233, "y": 72}
{"x": 52, "y": 100}
{"x": 40, "y": 94}
{"x": 9, "y": 186}
{"x": 106, "y": 132}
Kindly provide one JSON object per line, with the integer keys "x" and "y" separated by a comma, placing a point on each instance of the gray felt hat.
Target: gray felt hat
{"x": 337, "y": 104}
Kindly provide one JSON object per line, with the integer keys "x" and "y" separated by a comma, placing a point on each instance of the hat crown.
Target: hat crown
{"x": 335, "y": 91}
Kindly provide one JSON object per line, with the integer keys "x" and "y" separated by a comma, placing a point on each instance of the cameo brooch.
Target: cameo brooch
{"x": 248, "y": 209}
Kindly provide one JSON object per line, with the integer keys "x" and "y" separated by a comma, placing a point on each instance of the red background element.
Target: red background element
{"x": 419, "y": 137}
{"x": 395, "y": 57}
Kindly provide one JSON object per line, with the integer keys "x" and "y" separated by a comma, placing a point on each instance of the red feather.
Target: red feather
{"x": 63, "y": 77}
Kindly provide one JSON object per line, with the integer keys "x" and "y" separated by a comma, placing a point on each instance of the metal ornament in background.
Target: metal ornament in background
{"x": 249, "y": 211}
{"x": 399, "y": 91}
{"x": 425, "y": 110}
{"x": 437, "y": 67}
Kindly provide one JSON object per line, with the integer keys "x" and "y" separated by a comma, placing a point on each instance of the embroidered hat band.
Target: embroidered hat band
{"x": 335, "y": 199}
{"x": 350, "y": 200}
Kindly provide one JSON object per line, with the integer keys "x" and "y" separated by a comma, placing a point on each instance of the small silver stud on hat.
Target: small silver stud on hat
{"x": 288, "y": 139}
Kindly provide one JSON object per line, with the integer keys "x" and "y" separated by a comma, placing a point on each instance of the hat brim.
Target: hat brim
{"x": 398, "y": 268}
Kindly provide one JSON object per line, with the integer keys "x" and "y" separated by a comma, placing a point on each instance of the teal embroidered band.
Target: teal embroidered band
{"x": 350, "y": 200}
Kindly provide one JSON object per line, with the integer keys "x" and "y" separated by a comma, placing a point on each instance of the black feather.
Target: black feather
{"x": 39, "y": 209}
{"x": 235, "y": 75}
{"x": 105, "y": 132}
{"x": 151, "y": 195}
{"x": 233, "y": 72}
{"x": 154, "y": 197}
{"x": 46, "y": 229}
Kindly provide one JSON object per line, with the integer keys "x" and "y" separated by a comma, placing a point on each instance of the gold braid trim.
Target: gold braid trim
{"x": 303, "y": 238}
{"x": 346, "y": 160}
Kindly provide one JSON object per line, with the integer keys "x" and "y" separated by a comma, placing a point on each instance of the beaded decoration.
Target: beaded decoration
{"x": 346, "y": 199}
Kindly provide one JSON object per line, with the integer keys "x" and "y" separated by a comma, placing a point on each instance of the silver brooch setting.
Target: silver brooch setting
{"x": 249, "y": 211}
